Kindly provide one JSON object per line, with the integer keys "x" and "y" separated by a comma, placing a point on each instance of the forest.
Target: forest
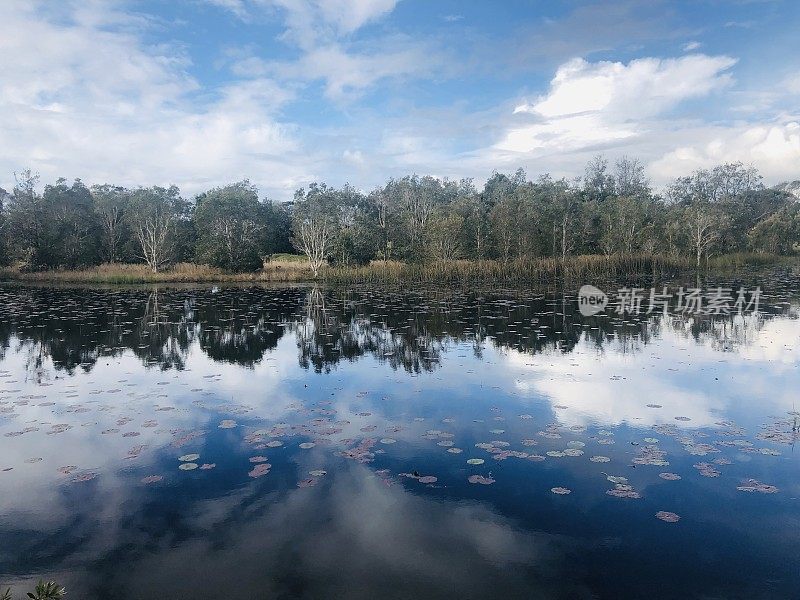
{"x": 611, "y": 210}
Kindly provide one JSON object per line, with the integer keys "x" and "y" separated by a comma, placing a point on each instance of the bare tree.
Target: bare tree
{"x": 313, "y": 236}
{"x": 154, "y": 219}
{"x": 154, "y": 233}
{"x": 702, "y": 230}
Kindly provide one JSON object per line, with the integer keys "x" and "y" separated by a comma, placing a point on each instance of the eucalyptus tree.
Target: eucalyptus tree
{"x": 384, "y": 212}
{"x": 110, "y": 207}
{"x": 504, "y": 208}
{"x": 231, "y": 227}
{"x": 314, "y": 224}
{"x": 504, "y": 222}
{"x": 155, "y": 217}
{"x": 779, "y": 233}
{"x": 629, "y": 179}
{"x": 358, "y": 234}
{"x": 712, "y": 185}
{"x": 53, "y": 229}
{"x": 597, "y": 183}
{"x": 702, "y": 221}
{"x": 444, "y": 235}
{"x": 4, "y": 197}
{"x": 25, "y": 220}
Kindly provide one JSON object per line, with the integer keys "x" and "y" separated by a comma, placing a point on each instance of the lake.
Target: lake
{"x": 298, "y": 442}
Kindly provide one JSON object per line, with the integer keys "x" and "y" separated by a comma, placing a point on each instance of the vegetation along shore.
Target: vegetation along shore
{"x": 516, "y": 230}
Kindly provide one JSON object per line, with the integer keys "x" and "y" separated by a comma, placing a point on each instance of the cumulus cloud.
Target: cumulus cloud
{"x": 591, "y": 103}
{"x": 95, "y": 98}
{"x": 774, "y": 148}
{"x": 94, "y": 101}
{"x": 637, "y": 108}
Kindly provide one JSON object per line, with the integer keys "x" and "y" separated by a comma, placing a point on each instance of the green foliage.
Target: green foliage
{"x": 45, "y": 590}
{"x": 53, "y": 229}
{"x": 610, "y": 211}
{"x": 161, "y": 223}
{"x": 115, "y": 237}
{"x": 779, "y": 233}
{"x": 231, "y": 226}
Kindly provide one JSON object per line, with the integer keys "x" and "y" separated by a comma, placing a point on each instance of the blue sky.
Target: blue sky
{"x": 285, "y": 92}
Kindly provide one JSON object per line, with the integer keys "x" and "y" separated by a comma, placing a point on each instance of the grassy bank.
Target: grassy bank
{"x": 276, "y": 271}
{"x": 458, "y": 272}
{"x": 533, "y": 270}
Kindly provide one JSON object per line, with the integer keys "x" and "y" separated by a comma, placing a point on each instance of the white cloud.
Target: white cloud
{"x": 774, "y": 149}
{"x": 310, "y": 21}
{"x": 347, "y": 73}
{"x": 632, "y": 109}
{"x": 350, "y": 15}
{"x": 593, "y": 103}
{"x": 353, "y": 157}
{"x": 94, "y": 101}
{"x": 691, "y": 46}
{"x": 237, "y": 7}
{"x": 319, "y": 28}
{"x": 792, "y": 83}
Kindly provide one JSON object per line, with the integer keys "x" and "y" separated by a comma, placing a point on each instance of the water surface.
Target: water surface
{"x": 313, "y": 443}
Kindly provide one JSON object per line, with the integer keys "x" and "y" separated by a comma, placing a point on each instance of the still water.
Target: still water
{"x": 314, "y": 443}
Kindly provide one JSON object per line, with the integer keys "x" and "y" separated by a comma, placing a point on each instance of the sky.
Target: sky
{"x": 201, "y": 93}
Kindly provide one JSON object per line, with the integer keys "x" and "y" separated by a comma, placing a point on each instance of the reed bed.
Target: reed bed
{"x": 522, "y": 271}
{"x": 277, "y": 271}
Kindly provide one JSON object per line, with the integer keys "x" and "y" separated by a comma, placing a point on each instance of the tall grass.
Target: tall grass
{"x": 522, "y": 271}
{"x": 519, "y": 271}
{"x": 278, "y": 271}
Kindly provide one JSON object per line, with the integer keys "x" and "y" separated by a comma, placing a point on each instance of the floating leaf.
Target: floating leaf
{"x": 480, "y": 479}
{"x": 669, "y": 517}
{"x": 259, "y": 470}
{"x": 753, "y": 485}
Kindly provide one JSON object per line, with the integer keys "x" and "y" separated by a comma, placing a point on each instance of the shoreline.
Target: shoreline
{"x": 458, "y": 272}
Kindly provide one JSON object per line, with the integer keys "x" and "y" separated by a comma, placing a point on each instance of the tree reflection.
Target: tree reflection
{"x": 73, "y": 328}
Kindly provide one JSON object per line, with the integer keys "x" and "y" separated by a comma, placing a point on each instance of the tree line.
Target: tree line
{"x": 611, "y": 209}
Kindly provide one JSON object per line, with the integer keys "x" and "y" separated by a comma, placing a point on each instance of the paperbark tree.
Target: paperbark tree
{"x": 154, "y": 218}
